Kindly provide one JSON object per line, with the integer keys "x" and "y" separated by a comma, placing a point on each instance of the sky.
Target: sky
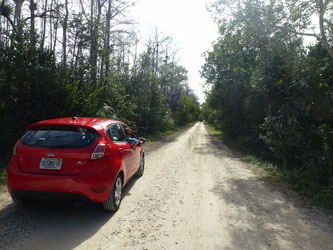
{"x": 189, "y": 24}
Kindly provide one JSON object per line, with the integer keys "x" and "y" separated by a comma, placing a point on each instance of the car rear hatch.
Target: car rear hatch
{"x": 56, "y": 149}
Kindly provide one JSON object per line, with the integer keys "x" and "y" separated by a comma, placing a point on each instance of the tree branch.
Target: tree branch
{"x": 44, "y": 14}
{"x": 119, "y": 11}
{"x": 6, "y": 14}
{"x": 12, "y": 23}
{"x": 322, "y": 30}
{"x": 297, "y": 32}
{"x": 84, "y": 13}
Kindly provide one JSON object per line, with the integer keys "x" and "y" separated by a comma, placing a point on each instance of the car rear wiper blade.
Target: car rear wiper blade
{"x": 67, "y": 146}
{"x": 61, "y": 146}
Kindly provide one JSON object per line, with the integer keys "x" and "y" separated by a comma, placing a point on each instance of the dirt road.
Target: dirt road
{"x": 195, "y": 194}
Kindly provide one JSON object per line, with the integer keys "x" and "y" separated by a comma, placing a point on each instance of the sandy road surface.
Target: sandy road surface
{"x": 195, "y": 194}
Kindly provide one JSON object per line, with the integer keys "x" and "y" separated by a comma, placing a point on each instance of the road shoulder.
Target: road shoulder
{"x": 276, "y": 184}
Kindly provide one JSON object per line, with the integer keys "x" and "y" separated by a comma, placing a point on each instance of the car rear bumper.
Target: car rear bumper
{"x": 94, "y": 184}
{"x": 42, "y": 195}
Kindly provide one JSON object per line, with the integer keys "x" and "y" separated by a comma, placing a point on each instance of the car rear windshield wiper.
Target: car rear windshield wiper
{"x": 64, "y": 146}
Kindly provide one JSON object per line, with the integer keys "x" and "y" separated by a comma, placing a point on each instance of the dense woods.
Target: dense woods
{"x": 80, "y": 57}
{"x": 272, "y": 91}
{"x": 268, "y": 87}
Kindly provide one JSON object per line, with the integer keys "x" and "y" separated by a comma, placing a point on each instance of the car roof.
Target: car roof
{"x": 92, "y": 122}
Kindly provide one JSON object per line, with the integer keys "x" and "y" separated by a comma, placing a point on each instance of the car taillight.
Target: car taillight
{"x": 14, "y": 149}
{"x": 100, "y": 149}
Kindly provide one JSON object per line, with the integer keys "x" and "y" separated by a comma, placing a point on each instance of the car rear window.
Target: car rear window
{"x": 60, "y": 137}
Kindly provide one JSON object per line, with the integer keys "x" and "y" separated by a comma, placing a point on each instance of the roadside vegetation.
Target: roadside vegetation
{"x": 291, "y": 178}
{"x": 271, "y": 93}
{"x": 80, "y": 58}
{"x": 3, "y": 176}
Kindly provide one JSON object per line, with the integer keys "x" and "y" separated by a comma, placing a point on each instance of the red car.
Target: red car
{"x": 75, "y": 158}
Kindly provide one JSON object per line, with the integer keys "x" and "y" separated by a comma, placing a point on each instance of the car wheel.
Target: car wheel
{"x": 114, "y": 200}
{"x": 141, "y": 169}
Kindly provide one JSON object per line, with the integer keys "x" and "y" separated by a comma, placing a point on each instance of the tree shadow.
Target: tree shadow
{"x": 264, "y": 218}
{"x": 53, "y": 224}
{"x": 213, "y": 146}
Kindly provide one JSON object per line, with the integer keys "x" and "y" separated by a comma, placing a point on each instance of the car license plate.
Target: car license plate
{"x": 51, "y": 163}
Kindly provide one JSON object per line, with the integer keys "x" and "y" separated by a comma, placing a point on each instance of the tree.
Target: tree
{"x": 300, "y": 20}
{"x": 72, "y": 57}
{"x": 298, "y": 17}
{"x": 64, "y": 35}
{"x": 270, "y": 94}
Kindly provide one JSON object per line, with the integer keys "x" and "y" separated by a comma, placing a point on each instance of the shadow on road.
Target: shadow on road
{"x": 215, "y": 147}
{"x": 262, "y": 215}
{"x": 52, "y": 225}
{"x": 255, "y": 213}
{"x": 266, "y": 216}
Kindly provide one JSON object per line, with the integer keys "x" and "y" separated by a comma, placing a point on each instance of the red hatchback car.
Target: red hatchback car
{"x": 75, "y": 158}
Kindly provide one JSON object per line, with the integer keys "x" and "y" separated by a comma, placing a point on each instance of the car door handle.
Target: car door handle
{"x": 121, "y": 150}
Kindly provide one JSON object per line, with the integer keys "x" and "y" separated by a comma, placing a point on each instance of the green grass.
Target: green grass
{"x": 3, "y": 176}
{"x": 161, "y": 135}
{"x": 299, "y": 180}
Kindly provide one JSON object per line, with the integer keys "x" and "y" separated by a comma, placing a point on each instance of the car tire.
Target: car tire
{"x": 141, "y": 169}
{"x": 114, "y": 200}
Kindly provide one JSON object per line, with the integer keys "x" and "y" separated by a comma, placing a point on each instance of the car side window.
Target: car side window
{"x": 116, "y": 133}
{"x": 126, "y": 135}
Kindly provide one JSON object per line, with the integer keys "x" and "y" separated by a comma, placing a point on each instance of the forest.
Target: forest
{"x": 269, "y": 77}
{"x": 63, "y": 58}
{"x": 271, "y": 91}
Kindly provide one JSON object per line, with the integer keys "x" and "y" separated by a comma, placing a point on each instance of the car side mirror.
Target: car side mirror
{"x": 142, "y": 141}
{"x": 131, "y": 141}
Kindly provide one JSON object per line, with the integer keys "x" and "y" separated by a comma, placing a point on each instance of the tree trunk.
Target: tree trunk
{"x": 94, "y": 41}
{"x": 18, "y": 9}
{"x": 50, "y": 31}
{"x": 44, "y": 26}
{"x": 56, "y": 28}
{"x": 107, "y": 45}
{"x": 323, "y": 38}
{"x": 32, "y": 16}
{"x": 64, "y": 36}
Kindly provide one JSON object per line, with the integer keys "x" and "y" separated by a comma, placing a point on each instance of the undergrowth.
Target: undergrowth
{"x": 4, "y": 165}
{"x": 300, "y": 180}
{"x": 3, "y": 173}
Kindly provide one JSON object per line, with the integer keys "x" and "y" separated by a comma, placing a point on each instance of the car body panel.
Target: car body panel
{"x": 73, "y": 161}
{"x": 93, "y": 179}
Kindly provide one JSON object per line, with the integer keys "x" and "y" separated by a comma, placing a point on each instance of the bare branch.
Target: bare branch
{"x": 294, "y": 31}
{"x": 12, "y": 23}
{"x": 121, "y": 10}
{"x": 84, "y": 14}
{"x": 44, "y": 14}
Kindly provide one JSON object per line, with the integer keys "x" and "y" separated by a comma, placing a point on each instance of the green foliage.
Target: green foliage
{"x": 79, "y": 65}
{"x": 188, "y": 110}
{"x": 34, "y": 87}
{"x": 162, "y": 99}
{"x": 298, "y": 179}
{"x": 3, "y": 173}
{"x": 270, "y": 95}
